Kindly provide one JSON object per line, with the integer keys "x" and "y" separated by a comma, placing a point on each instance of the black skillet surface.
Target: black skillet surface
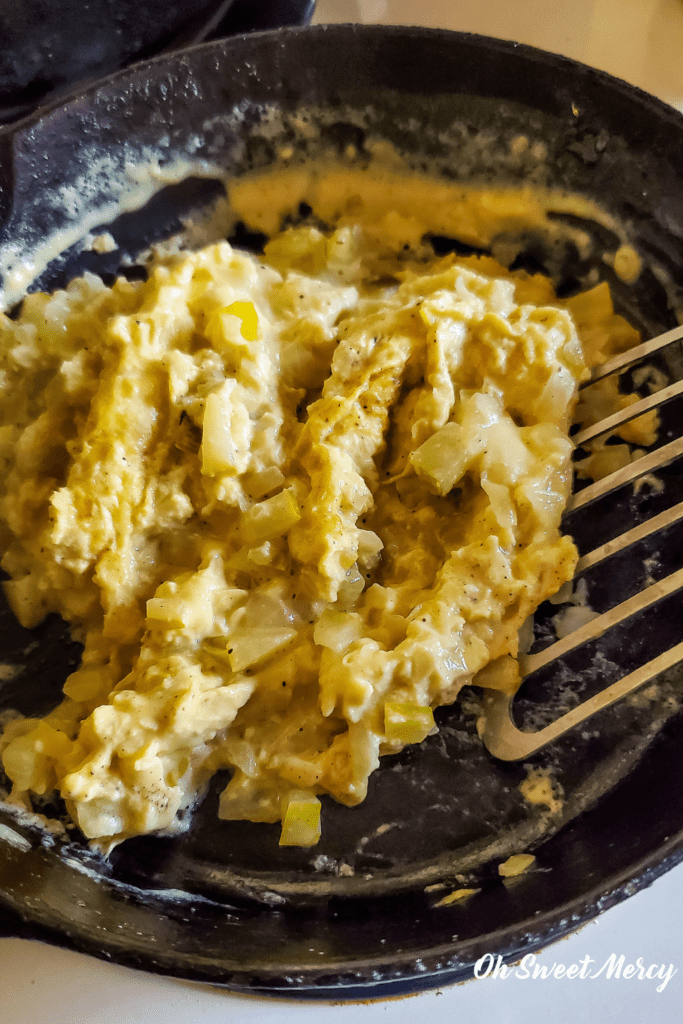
{"x": 48, "y": 47}
{"x": 359, "y": 914}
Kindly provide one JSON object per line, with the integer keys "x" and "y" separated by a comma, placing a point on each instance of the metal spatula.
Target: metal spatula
{"x": 496, "y": 726}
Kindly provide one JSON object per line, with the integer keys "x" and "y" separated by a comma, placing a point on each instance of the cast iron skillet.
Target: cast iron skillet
{"x": 358, "y": 915}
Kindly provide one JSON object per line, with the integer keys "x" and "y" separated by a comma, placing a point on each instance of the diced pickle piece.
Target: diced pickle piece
{"x": 221, "y": 331}
{"x": 301, "y": 824}
{"x": 247, "y": 314}
{"x": 270, "y": 518}
{"x": 407, "y": 722}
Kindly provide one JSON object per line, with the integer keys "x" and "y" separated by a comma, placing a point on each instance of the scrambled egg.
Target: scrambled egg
{"x": 289, "y": 504}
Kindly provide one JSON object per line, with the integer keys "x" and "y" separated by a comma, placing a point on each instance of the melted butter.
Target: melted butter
{"x": 131, "y": 188}
{"x": 406, "y": 205}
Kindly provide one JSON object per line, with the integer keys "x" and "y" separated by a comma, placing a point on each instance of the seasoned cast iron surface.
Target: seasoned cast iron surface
{"x": 48, "y": 48}
{"x": 224, "y": 902}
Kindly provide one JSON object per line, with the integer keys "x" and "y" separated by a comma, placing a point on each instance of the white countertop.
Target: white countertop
{"x": 642, "y": 42}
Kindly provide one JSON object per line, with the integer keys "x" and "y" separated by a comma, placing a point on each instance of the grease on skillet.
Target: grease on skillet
{"x": 146, "y": 773}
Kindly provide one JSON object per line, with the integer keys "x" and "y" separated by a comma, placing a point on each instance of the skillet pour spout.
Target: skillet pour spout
{"x": 288, "y": 920}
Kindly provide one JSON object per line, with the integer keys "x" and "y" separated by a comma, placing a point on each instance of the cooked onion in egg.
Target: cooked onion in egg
{"x": 291, "y": 504}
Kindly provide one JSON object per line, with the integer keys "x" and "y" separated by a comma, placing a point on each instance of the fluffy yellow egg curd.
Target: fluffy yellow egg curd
{"x": 290, "y": 504}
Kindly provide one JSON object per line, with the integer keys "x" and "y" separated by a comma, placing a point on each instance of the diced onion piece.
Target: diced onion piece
{"x": 218, "y": 448}
{"x": 270, "y": 518}
{"x": 369, "y": 547}
{"x": 258, "y": 484}
{"x": 299, "y": 771}
{"x": 350, "y": 588}
{"x": 242, "y": 756}
{"x": 500, "y": 674}
{"x": 26, "y": 759}
{"x": 440, "y": 458}
{"x": 301, "y": 824}
{"x": 265, "y": 610}
{"x": 165, "y": 613}
{"x": 501, "y": 503}
{"x": 506, "y": 457}
{"x": 256, "y": 645}
{"x": 24, "y": 598}
{"x": 569, "y": 619}
{"x": 84, "y": 684}
{"x": 337, "y": 630}
{"x": 302, "y": 249}
{"x": 261, "y": 555}
{"x": 191, "y": 611}
{"x": 407, "y": 722}
{"x": 592, "y": 307}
